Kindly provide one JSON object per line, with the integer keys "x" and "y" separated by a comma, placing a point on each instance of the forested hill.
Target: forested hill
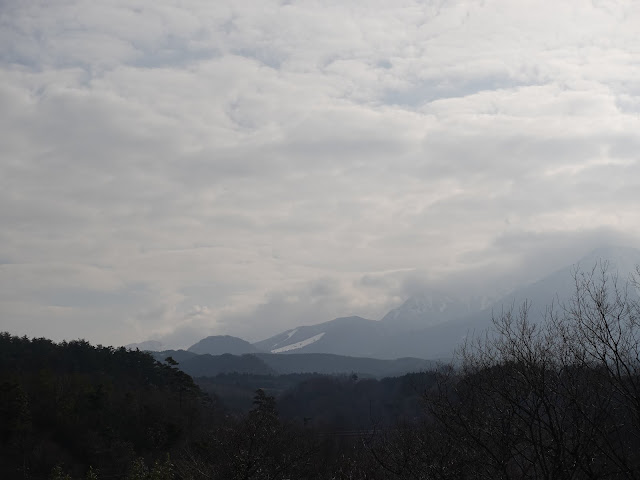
{"x": 80, "y": 405}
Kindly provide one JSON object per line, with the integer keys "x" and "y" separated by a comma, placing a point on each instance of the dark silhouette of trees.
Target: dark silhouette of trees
{"x": 553, "y": 400}
{"x": 73, "y": 405}
{"x": 256, "y": 446}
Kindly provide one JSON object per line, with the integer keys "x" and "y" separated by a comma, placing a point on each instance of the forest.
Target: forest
{"x": 559, "y": 399}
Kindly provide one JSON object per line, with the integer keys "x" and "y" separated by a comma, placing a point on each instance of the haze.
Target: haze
{"x": 173, "y": 170}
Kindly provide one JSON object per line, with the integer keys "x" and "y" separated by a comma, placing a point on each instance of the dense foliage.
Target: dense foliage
{"x": 327, "y": 402}
{"x": 77, "y": 405}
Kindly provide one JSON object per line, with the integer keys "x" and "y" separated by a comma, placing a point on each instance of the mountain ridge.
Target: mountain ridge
{"x": 429, "y": 325}
{"x": 221, "y": 344}
{"x": 438, "y": 337}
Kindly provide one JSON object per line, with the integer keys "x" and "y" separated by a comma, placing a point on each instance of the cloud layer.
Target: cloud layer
{"x": 178, "y": 169}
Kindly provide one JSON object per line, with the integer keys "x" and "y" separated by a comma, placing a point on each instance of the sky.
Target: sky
{"x": 176, "y": 169}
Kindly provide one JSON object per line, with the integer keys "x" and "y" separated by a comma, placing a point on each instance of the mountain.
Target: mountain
{"x": 206, "y": 365}
{"x": 211, "y": 365}
{"x": 621, "y": 260}
{"x": 179, "y": 356}
{"x": 559, "y": 286}
{"x": 440, "y": 341}
{"x": 148, "y": 346}
{"x": 221, "y": 344}
{"x": 434, "y": 324}
{"x": 275, "y": 364}
{"x": 431, "y": 308}
{"x": 352, "y": 336}
{"x": 326, "y": 363}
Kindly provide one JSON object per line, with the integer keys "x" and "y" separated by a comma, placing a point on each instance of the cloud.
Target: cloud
{"x": 275, "y": 164}
{"x": 306, "y": 303}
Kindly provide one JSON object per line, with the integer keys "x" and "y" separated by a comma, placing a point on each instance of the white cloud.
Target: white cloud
{"x": 225, "y": 158}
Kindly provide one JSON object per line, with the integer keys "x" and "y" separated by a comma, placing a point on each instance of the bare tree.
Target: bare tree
{"x": 559, "y": 399}
{"x": 602, "y": 320}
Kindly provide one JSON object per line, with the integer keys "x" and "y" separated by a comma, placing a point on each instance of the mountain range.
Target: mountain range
{"x": 206, "y": 365}
{"x": 426, "y": 326}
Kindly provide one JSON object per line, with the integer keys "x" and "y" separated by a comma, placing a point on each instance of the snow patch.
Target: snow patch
{"x": 297, "y": 345}
{"x": 291, "y": 333}
{"x": 288, "y": 334}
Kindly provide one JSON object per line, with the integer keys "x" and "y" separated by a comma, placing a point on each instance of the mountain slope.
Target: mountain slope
{"x": 274, "y": 364}
{"x": 559, "y": 286}
{"x": 330, "y": 364}
{"x": 353, "y": 336}
{"x": 206, "y": 365}
{"x": 432, "y": 308}
{"x": 440, "y": 341}
{"x": 211, "y": 365}
{"x": 146, "y": 346}
{"x": 432, "y": 325}
{"x": 221, "y": 344}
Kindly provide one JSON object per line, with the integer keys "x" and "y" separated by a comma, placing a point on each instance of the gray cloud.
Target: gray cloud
{"x": 170, "y": 170}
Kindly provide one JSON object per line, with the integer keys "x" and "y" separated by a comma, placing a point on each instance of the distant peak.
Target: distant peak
{"x": 220, "y": 344}
{"x": 620, "y": 258}
{"x": 613, "y": 251}
{"x": 148, "y": 345}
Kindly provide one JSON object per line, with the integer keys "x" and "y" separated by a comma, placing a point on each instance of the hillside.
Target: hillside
{"x": 339, "y": 364}
{"x": 350, "y": 336}
{"x": 221, "y": 344}
{"x": 83, "y": 406}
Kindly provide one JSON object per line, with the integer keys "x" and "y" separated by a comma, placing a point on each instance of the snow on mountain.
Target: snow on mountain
{"x": 291, "y": 333}
{"x": 354, "y": 336}
{"x": 298, "y": 345}
{"x": 432, "y": 308}
{"x": 433, "y": 324}
{"x": 287, "y": 335}
{"x": 420, "y": 311}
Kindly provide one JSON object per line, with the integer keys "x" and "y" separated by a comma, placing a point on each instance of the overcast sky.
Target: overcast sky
{"x": 177, "y": 169}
